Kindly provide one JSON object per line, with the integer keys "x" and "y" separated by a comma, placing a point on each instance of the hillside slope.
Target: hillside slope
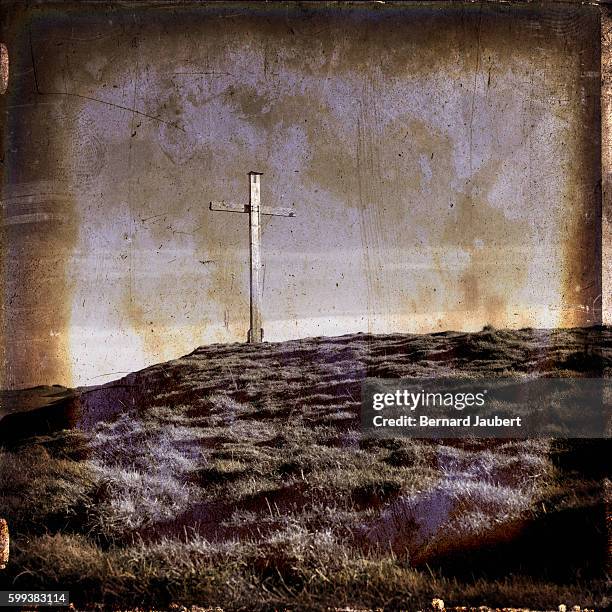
{"x": 237, "y": 476}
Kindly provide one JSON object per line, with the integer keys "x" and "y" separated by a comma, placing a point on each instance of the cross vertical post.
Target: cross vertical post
{"x": 255, "y": 210}
{"x": 256, "y": 331}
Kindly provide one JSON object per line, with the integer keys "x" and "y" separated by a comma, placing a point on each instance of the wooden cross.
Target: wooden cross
{"x": 255, "y": 211}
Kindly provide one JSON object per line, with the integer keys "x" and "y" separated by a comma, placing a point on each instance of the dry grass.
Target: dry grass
{"x": 237, "y": 477}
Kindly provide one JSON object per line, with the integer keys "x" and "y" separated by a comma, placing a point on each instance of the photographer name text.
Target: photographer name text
{"x": 425, "y": 421}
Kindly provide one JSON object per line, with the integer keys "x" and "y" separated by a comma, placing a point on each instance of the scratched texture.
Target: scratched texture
{"x": 443, "y": 161}
{"x": 606, "y": 162}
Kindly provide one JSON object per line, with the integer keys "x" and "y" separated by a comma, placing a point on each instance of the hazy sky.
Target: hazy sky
{"x": 435, "y": 162}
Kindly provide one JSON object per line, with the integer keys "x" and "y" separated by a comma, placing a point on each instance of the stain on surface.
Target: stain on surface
{"x": 443, "y": 175}
{"x": 606, "y": 162}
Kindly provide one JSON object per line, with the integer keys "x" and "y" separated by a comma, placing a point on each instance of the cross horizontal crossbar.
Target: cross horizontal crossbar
{"x": 274, "y": 211}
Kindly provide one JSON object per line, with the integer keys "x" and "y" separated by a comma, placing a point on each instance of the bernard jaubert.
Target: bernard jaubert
{"x": 425, "y": 421}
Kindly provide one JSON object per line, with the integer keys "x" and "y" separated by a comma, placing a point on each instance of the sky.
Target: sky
{"x": 435, "y": 161}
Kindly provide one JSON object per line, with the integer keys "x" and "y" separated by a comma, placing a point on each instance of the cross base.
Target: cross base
{"x": 257, "y": 337}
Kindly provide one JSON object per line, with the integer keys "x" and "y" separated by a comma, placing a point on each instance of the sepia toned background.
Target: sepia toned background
{"x": 443, "y": 162}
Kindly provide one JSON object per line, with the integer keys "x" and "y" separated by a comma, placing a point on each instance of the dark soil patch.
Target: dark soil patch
{"x": 374, "y": 495}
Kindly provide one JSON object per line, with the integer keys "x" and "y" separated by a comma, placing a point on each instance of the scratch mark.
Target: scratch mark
{"x": 92, "y": 99}
{"x": 130, "y": 188}
{"x": 145, "y": 219}
{"x": 203, "y": 74}
{"x": 475, "y": 83}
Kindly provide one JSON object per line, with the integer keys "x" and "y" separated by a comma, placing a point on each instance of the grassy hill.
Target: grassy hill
{"x": 237, "y": 476}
